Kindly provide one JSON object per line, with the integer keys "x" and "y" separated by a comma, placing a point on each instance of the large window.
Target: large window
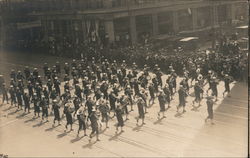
{"x": 185, "y": 19}
{"x": 165, "y": 22}
{"x": 241, "y": 11}
{"x": 203, "y": 17}
{"x": 222, "y": 13}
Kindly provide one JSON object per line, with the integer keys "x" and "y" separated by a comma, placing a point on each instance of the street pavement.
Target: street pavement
{"x": 178, "y": 135}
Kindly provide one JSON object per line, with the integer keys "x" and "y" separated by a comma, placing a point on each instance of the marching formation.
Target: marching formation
{"x": 95, "y": 90}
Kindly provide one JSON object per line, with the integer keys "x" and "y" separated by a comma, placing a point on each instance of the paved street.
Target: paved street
{"x": 177, "y": 135}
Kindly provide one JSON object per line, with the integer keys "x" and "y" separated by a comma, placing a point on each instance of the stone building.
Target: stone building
{"x": 109, "y": 21}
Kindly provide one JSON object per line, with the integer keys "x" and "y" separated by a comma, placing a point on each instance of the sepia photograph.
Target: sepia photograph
{"x": 124, "y": 78}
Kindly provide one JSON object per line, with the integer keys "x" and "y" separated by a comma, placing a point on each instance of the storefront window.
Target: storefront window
{"x": 203, "y": 17}
{"x": 185, "y": 19}
{"x": 165, "y": 22}
{"x": 144, "y": 26}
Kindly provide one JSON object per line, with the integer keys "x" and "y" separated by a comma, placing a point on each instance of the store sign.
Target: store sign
{"x": 28, "y": 25}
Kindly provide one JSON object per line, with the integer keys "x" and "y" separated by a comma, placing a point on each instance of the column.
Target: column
{"x": 155, "y": 24}
{"x": 109, "y": 29}
{"x": 194, "y": 18}
{"x": 132, "y": 28}
{"x": 175, "y": 21}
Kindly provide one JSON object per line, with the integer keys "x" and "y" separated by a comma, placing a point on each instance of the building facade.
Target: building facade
{"x": 123, "y": 21}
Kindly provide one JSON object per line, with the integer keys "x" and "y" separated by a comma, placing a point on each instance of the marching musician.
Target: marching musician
{"x": 119, "y": 117}
{"x": 152, "y": 93}
{"x": 129, "y": 92}
{"x": 36, "y": 103}
{"x": 227, "y": 81}
{"x": 141, "y": 105}
{"x": 81, "y": 117}
{"x": 162, "y": 102}
{"x": 45, "y": 106}
{"x": 210, "y": 112}
{"x": 197, "y": 91}
{"x": 67, "y": 111}
{"x": 104, "y": 109}
{"x": 94, "y": 124}
{"x": 182, "y": 98}
{"x": 124, "y": 102}
{"x": 214, "y": 83}
{"x": 167, "y": 94}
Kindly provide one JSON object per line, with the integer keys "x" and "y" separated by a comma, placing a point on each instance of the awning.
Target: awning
{"x": 242, "y": 27}
{"x": 188, "y": 39}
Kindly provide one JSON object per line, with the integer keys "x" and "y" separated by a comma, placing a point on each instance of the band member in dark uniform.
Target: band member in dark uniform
{"x": 90, "y": 105}
{"x": 77, "y": 104}
{"x": 129, "y": 92}
{"x": 162, "y": 102}
{"x": 45, "y": 106}
{"x": 167, "y": 94}
{"x": 214, "y": 84}
{"x": 152, "y": 94}
{"x": 66, "y": 68}
{"x": 120, "y": 121}
{"x": 36, "y": 103}
{"x": 26, "y": 100}
{"x": 197, "y": 92}
{"x": 104, "y": 109}
{"x": 94, "y": 124}
{"x": 57, "y": 84}
{"x": 30, "y": 90}
{"x": 67, "y": 111}
{"x": 81, "y": 117}
{"x": 26, "y": 72}
{"x": 12, "y": 95}
{"x": 141, "y": 111}
{"x": 49, "y": 85}
{"x": 5, "y": 93}
{"x": 124, "y": 103}
{"x": 112, "y": 102}
{"x": 19, "y": 98}
{"x": 136, "y": 87}
{"x": 13, "y": 75}
{"x": 182, "y": 98}
{"x": 56, "y": 110}
{"x": 227, "y": 81}
{"x": 58, "y": 67}
{"x": 210, "y": 112}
